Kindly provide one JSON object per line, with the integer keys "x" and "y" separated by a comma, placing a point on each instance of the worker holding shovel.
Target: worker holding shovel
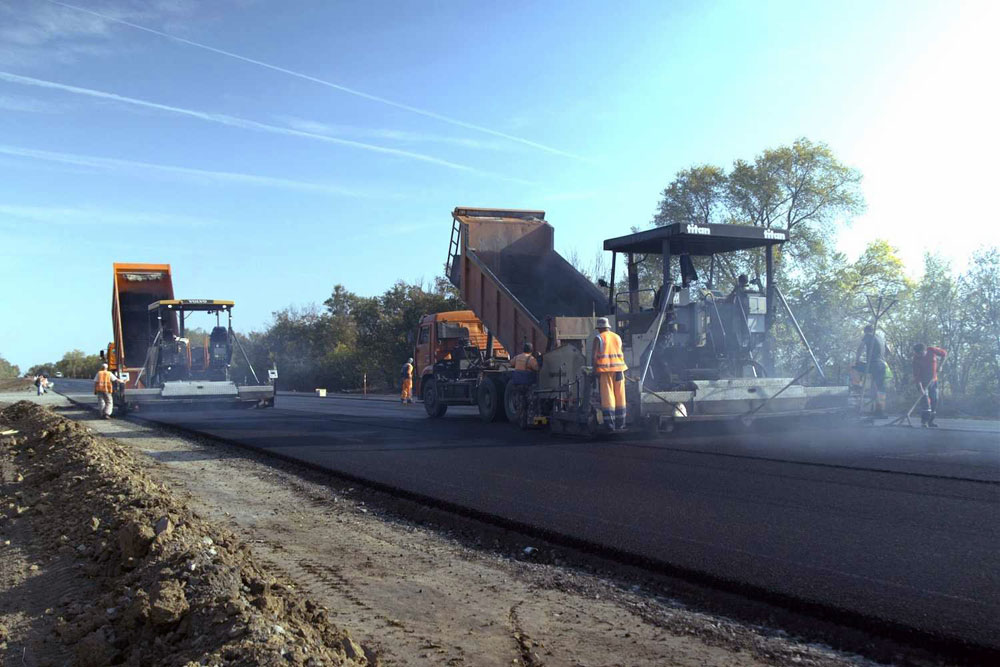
{"x": 925, "y": 374}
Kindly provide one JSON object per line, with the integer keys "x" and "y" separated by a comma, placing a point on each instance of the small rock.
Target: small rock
{"x": 134, "y": 539}
{"x": 94, "y": 650}
{"x": 278, "y": 629}
{"x": 95, "y": 523}
{"x": 530, "y": 551}
{"x": 168, "y": 603}
{"x": 352, "y": 649}
{"x": 163, "y": 526}
{"x": 33, "y": 568}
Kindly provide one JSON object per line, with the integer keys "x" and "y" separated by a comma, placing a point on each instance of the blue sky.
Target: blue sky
{"x": 263, "y": 185}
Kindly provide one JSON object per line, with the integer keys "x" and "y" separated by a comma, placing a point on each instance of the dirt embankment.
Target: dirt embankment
{"x": 101, "y": 565}
{"x": 16, "y": 384}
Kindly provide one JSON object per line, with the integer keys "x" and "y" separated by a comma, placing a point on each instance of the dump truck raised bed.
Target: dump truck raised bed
{"x": 519, "y": 290}
{"x": 158, "y": 363}
{"x": 693, "y": 351}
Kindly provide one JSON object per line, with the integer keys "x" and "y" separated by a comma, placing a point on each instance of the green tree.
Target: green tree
{"x": 980, "y": 297}
{"x": 8, "y": 370}
{"x": 78, "y": 364}
{"x": 828, "y": 297}
{"x": 696, "y": 195}
{"x": 802, "y": 188}
{"x": 351, "y": 338}
{"x": 48, "y": 369}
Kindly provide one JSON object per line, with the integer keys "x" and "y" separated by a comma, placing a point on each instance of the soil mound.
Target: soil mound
{"x": 155, "y": 583}
{"x": 16, "y": 384}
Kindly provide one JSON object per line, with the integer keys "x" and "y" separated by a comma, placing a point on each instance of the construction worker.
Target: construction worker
{"x": 104, "y": 383}
{"x": 406, "y": 375}
{"x": 525, "y": 375}
{"x": 873, "y": 347}
{"x": 925, "y": 368}
{"x": 609, "y": 364}
{"x": 526, "y": 361}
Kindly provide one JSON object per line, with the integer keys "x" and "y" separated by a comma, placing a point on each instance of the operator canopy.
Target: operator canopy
{"x": 208, "y": 305}
{"x": 697, "y": 239}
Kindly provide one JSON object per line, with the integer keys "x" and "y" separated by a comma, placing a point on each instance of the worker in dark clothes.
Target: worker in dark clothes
{"x": 925, "y": 368}
{"x": 525, "y": 361}
{"x": 525, "y": 375}
{"x": 873, "y": 348}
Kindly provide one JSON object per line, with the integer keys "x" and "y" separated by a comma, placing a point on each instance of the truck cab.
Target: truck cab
{"x": 443, "y": 337}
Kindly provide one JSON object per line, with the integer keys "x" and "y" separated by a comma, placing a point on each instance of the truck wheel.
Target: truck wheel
{"x": 434, "y": 407}
{"x": 490, "y": 400}
{"x": 510, "y": 402}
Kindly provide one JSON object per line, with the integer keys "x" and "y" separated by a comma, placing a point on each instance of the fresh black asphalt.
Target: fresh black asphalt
{"x": 901, "y": 526}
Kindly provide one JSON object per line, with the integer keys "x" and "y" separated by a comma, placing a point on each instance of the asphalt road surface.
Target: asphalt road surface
{"x": 897, "y": 525}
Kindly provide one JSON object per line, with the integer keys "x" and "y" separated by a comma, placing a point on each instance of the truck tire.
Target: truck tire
{"x": 509, "y": 408}
{"x": 490, "y": 399}
{"x": 432, "y": 404}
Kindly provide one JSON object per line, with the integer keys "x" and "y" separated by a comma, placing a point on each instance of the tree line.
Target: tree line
{"x": 74, "y": 364}
{"x": 349, "y": 342}
{"x": 8, "y": 370}
{"x": 353, "y": 340}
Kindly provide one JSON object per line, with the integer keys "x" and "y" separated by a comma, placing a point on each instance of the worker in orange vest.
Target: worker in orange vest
{"x": 406, "y": 375}
{"x": 104, "y": 383}
{"x": 609, "y": 364}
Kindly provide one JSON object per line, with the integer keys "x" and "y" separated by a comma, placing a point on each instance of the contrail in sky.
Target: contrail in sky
{"x": 234, "y": 121}
{"x": 225, "y": 176}
{"x": 329, "y": 84}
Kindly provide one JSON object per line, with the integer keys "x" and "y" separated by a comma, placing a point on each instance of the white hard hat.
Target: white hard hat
{"x": 104, "y": 366}
{"x": 410, "y": 360}
{"x": 602, "y": 323}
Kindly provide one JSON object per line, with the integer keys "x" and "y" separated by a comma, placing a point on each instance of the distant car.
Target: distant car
{"x": 58, "y": 374}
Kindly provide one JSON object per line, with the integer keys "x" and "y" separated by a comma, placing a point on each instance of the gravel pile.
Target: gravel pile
{"x": 154, "y": 583}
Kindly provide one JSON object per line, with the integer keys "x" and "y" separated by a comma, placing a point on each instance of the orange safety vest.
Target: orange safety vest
{"x": 608, "y": 356}
{"x": 103, "y": 383}
{"x": 525, "y": 362}
{"x": 406, "y": 372}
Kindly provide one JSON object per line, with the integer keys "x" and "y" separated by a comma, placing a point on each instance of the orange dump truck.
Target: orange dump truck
{"x": 151, "y": 352}
{"x": 519, "y": 290}
{"x": 438, "y": 337}
{"x": 135, "y": 287}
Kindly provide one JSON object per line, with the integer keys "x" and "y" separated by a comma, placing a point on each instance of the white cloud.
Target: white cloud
{"x": 243, "y": 123}
{"x": 134, "y": 23}
{"x": 34, "y": 32}
{"x": 401, "y": 136}
{"x": 203, "y": 175}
